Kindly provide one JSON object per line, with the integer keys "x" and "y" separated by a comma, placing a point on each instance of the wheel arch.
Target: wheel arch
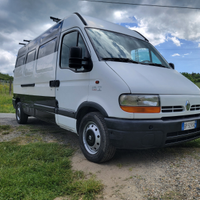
{"x": 87, "y": 107}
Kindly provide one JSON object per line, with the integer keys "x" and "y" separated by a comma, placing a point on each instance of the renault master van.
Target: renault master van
{"x": 107, "y": 84}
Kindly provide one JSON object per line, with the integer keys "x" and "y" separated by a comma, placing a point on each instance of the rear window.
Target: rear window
{"x": 20, "y": 61}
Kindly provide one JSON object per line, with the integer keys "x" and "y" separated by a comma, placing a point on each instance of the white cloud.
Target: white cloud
{"x": 186, "y": 54}
{"x": 176, "y": 54}
{"x": 121, "y": 16}
{"x": 8, "y": 61}
{"x": 175, "y": 41}
{"x": 154, "y": 38}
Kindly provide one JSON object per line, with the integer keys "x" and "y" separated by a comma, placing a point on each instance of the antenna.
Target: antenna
{"x": 26, "y": 40}
{"x": 22, "y": 43}
{"x": 55, "y": 19}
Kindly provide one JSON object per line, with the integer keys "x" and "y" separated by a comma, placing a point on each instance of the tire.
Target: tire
{"x": 94, "y": 138}
{"x": 21, "y": 117}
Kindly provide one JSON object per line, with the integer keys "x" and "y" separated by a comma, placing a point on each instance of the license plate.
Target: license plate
{"x": 189, "y": 125}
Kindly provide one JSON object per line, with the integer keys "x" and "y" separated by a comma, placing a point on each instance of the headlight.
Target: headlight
{"x": 140, "y": 103}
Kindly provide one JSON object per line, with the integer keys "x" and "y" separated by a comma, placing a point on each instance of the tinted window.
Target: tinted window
{"x": 20, "y": 61}
{"x": 47, "y": 48}
{"x": 31, "y": 56}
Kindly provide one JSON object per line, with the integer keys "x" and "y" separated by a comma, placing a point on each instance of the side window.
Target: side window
{"x": 155, "y": 59}
{"x": 47, "y": 48}
{"x": 30, "y": 56}
{"x": 82, "y": 45}
{"x": 71, "y": 40}
{"x": 20, "y": 61}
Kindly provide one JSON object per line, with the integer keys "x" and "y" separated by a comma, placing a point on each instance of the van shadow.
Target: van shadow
{"x": 52, "y": 132}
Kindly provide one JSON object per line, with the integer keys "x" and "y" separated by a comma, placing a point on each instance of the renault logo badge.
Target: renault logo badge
{"x": 187, "y": 105}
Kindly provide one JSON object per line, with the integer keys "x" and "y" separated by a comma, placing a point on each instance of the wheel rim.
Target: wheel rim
{"x": 18, "y": 113}
{"x": 91, "y": 137}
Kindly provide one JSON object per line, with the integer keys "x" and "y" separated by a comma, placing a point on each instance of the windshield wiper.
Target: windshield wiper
{"x": 153, "y": 64}
{"x": 120, "y": 60}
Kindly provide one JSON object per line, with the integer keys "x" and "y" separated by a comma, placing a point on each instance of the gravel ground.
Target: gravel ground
{"x": 168, "y": 173}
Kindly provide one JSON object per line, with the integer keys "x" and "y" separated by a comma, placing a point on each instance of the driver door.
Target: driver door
{"x": 73, "y": 88}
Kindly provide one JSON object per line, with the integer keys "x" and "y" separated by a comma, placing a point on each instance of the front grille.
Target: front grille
{"x": 169, "y": 109}
{"x": 181, "y": 136}
{"x": 195, "y": 107}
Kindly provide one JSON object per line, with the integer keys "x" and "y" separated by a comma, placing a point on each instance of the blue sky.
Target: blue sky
{"x": 174, "y": 32}
{"x": 185, "y": 57}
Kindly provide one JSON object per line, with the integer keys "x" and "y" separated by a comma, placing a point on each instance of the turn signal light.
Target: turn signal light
{"x": 141, "y": 109}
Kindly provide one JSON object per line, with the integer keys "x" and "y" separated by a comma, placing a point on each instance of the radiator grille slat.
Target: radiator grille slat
{"x": 195, "y": 107}
{"x": 168, "y": 109}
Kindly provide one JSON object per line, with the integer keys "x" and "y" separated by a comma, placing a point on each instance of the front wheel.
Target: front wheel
{"x": 21, "y": 117}
{"x": 94, "y": 139}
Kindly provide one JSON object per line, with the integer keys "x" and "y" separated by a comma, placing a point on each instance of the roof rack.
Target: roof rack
{"x": 55, "y": 19}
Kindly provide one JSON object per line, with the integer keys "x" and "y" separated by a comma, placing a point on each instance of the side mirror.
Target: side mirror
{"x": 75, "y": 57}
{"x": 172, "y": 65}
{"x": 76, "y": 61}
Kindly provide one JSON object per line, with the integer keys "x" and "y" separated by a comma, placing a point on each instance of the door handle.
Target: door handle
{"x": 54, "y": 83}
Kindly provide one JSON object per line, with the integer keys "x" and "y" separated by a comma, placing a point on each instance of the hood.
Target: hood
{"x": 146, "y": 79}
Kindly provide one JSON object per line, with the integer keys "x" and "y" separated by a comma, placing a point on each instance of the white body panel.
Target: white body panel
{"x": 146, "y": 79}
{"x": 67, "y": 123}
{"x": 107, "y": 92}
{"x": 39, "y": 72}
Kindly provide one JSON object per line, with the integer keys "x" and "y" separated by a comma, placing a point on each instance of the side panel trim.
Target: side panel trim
{"x": 44, "y": 107}
{"x": 66, "y": 112}
{"x": 28, "y": 85}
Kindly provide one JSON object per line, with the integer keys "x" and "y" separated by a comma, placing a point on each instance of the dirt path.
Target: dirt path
{"x": 169, "y": 173}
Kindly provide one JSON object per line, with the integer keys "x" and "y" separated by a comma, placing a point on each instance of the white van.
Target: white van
{"x": 107, "y": 84}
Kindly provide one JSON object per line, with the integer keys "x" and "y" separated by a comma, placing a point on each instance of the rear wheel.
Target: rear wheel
{"x": 21, "y": 117}
{"x": 94, "y": 139}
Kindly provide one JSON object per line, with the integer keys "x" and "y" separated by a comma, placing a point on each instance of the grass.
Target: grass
{"x": 5, "y": 129}
{"x": 6, "y": 104}
{"x": 42, "y": 171}
{"x": 4, "y": 88}
{"x": 5, "y": 99}
{"x": 191, "y": 144}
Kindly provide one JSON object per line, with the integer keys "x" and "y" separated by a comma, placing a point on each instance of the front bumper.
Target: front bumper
{"x": 153, "y": 133}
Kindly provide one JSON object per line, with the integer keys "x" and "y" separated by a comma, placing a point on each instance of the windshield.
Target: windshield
{"x": 123, "y": 48}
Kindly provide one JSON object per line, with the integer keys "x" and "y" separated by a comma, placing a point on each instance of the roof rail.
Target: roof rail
{"x": 22, "y": 43}
{"x": 26, "y": 40}
{"x": 142, "y": 35}
{"x": 81, "y": 18}
{"x": 55, "y": 19}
